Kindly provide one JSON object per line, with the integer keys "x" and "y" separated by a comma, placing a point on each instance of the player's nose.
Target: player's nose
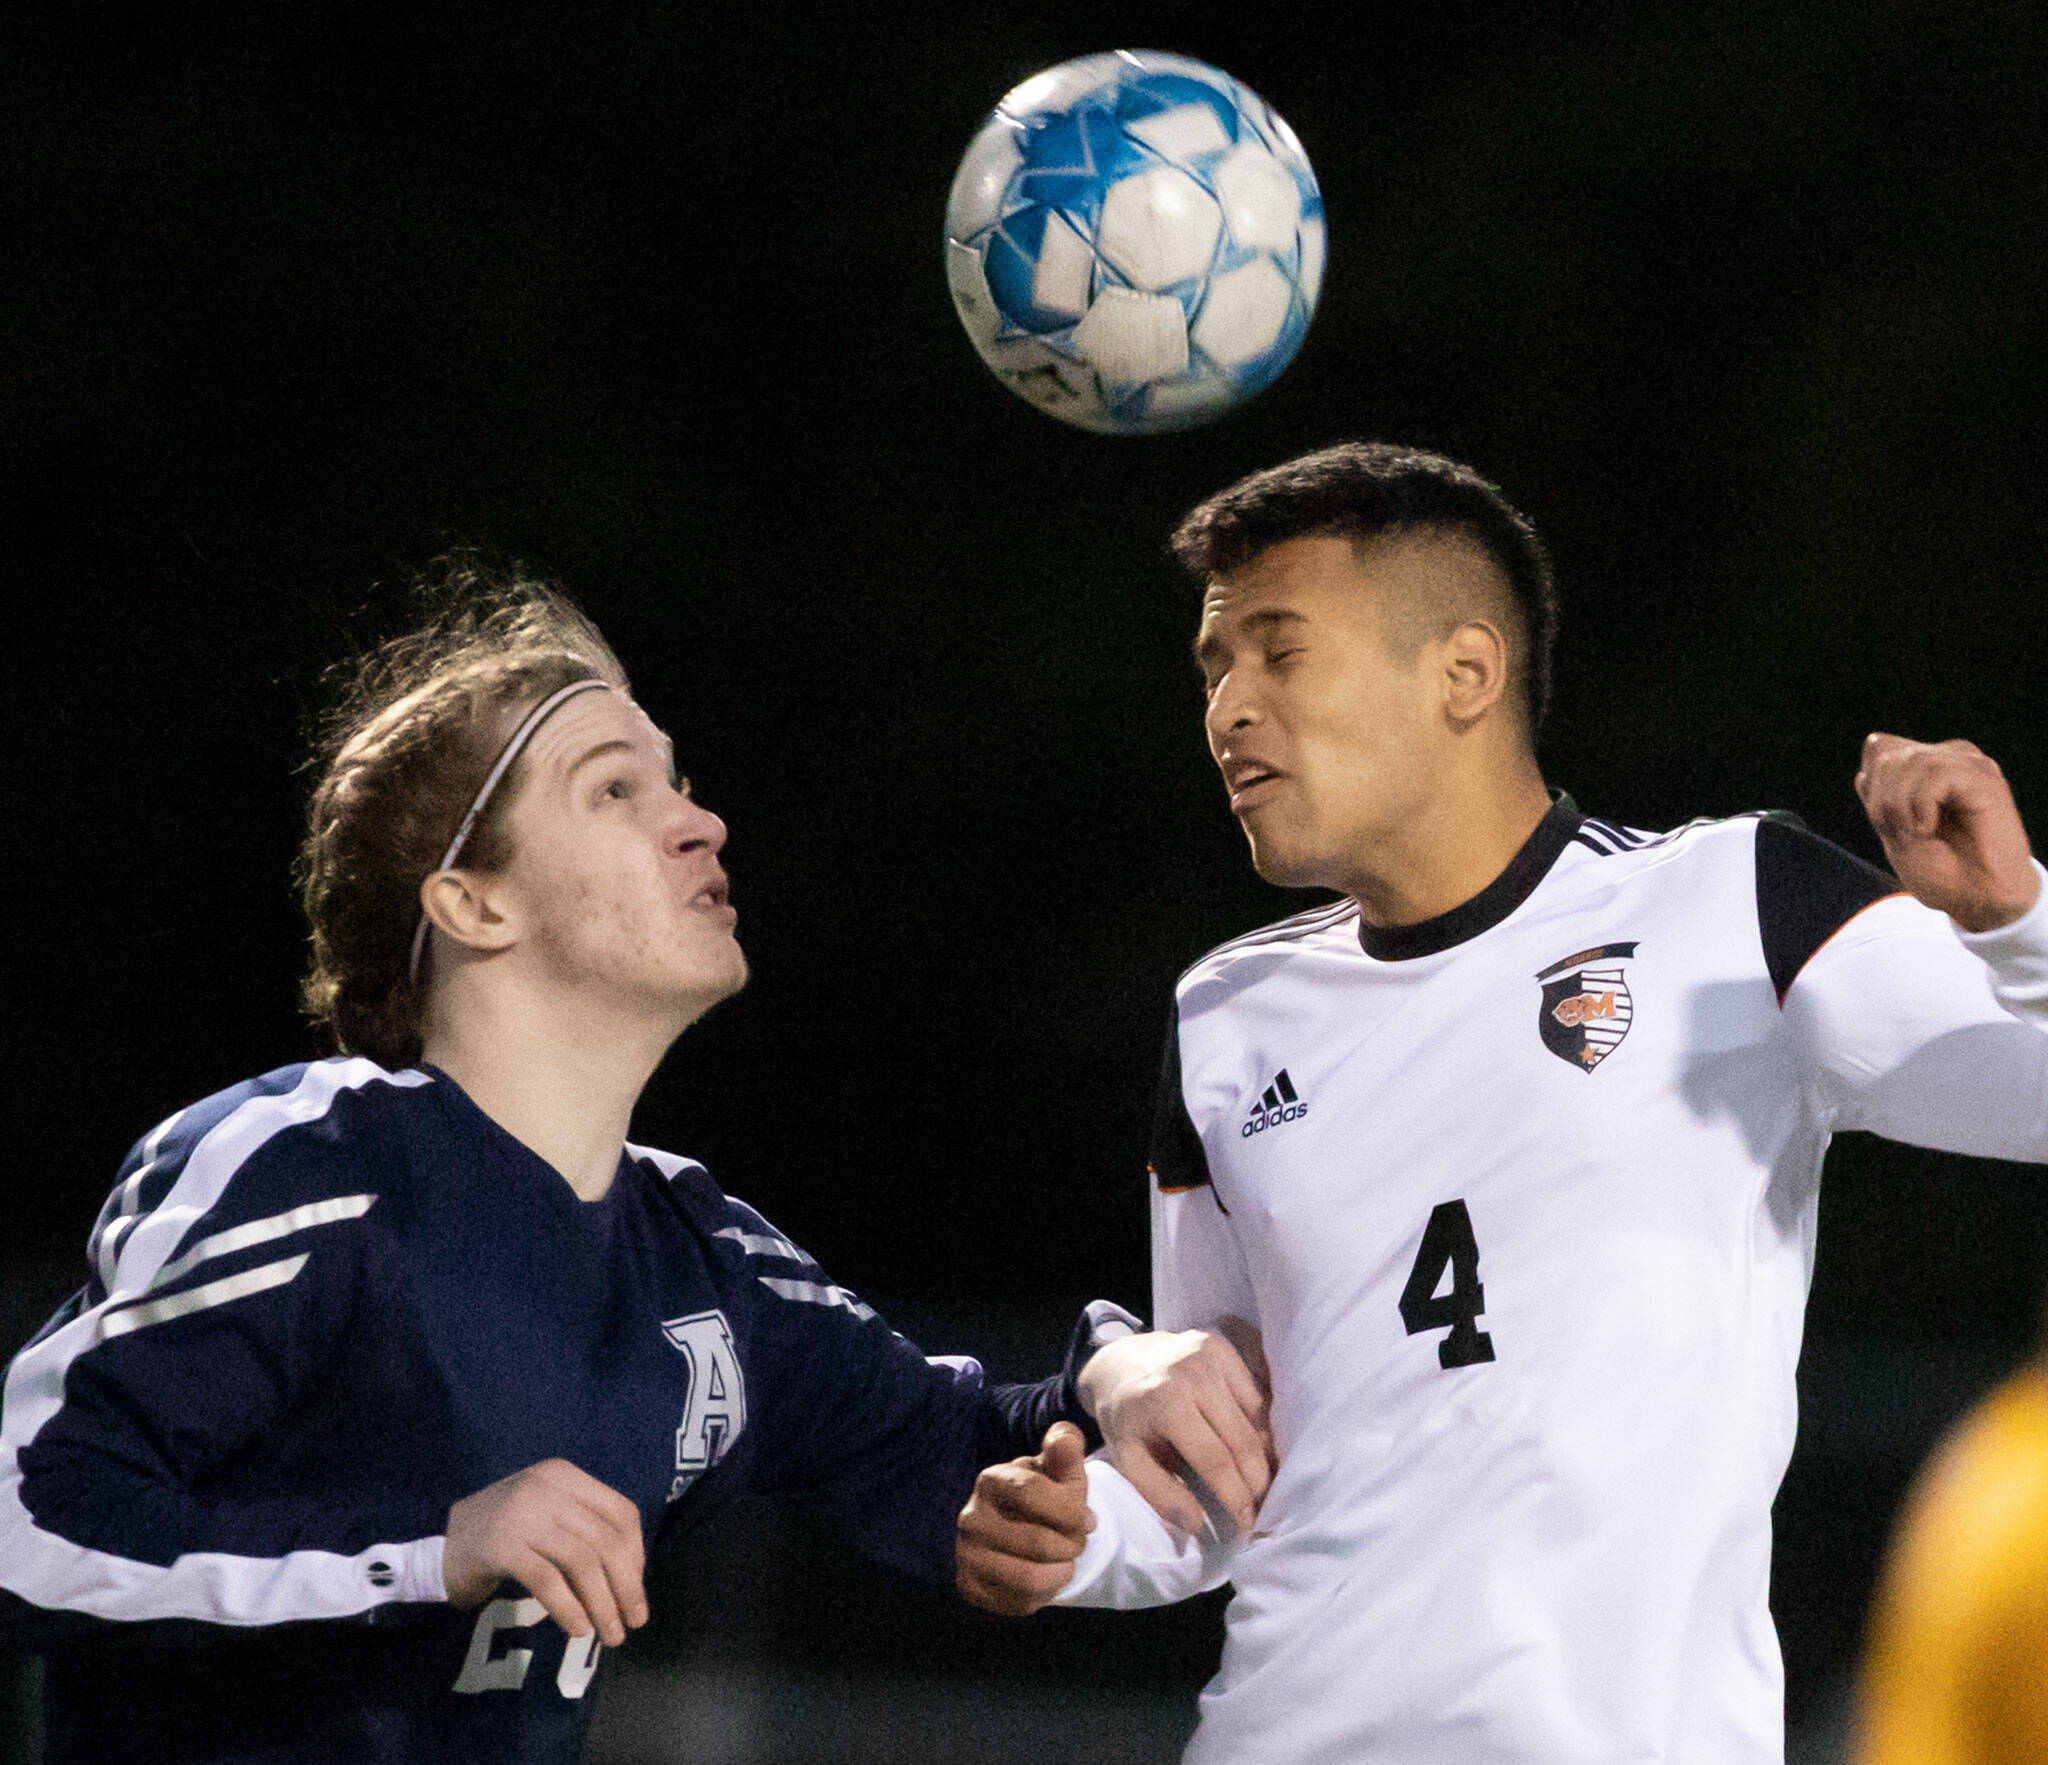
{"x": 1231, "y": 707}
{"x": 697, "y": 829}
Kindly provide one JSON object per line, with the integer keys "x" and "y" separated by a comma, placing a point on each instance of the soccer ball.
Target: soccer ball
{"x": 1135, "y": 242}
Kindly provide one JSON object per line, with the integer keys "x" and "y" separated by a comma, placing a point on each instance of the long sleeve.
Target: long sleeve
{"x": 1198, "y": 1267}
{"x": 223, "y": 1279}
{"x": 1132, "y": 1559}
{"x": 1014, "y": 1418}
{"x": 1913, "y": 1030}
{"x": 858, "y": 1423}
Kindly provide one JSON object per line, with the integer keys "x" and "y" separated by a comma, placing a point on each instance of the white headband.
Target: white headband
{"x": 520, "y": 737}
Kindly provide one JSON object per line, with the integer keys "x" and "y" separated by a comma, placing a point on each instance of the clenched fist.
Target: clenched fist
{"x": 572, "y": 1542}
{"x": 1024, "y": 1525}
{"x": 1950, "y": 828}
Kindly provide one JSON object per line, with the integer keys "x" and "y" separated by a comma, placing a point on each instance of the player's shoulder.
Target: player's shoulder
{"x": 1797, "y": 888}
{"x": 1782, "y": 841}
{"x": 1704, "y": 836}
{"x": 1808, "y": 889}
{"x": 309, "y": 1109}
{"x": 1791, "y": 856}
{"x": 755, "y": 1251}
{"x": 1314, "y": 928}
{"x": 717, "y": 1215}
{"x": 684, "y": 1181}
{"x": 316, "y": 1141}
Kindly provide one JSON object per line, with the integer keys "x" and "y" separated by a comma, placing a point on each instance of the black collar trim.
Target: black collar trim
{"x": 1507, "y": 891}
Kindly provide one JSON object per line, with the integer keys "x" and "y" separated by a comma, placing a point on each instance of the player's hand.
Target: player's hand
{"x": 1950, "y": 828}
{"x": 572, "y": 1542}
{"x": 1024, "y": 1525}
{"x": 1185, "y": 1399}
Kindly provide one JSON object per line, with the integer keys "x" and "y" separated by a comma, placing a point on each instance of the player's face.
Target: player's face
{"x": 1325, "y": 740}
{"x": 615, "y": 867}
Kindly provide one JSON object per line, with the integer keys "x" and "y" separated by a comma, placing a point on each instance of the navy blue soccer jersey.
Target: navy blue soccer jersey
{"x": 327, "y": 1304}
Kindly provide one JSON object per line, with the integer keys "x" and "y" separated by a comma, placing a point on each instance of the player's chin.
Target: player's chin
{"x": 704, "y": 986}
{"x": 1284, "y": 862}
{"x": 726, "y": 972}
{"x": 709, "y": 968}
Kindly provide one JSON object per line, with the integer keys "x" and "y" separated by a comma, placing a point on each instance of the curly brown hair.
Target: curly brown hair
{"x": 413, "y": 730}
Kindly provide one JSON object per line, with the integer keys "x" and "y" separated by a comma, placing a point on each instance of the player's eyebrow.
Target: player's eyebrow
{"x": 1208, "y": 642}
{"x": 619, "y": 745}
{"x": 615, "y": 746}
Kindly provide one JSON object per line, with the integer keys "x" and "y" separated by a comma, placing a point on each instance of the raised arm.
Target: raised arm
{"x": 1950, "y": 828}
{"x": 1920, "y": 1010}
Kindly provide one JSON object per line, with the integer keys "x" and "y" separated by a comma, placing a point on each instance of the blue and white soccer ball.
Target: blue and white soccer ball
{"x": 1135, "y": 242}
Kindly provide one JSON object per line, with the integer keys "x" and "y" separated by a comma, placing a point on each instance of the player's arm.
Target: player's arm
{"x": 853, "y": 1421}
{"x": 1919, "y": 1009}
{"x": 223, "y": 1276}
{"x": 1950, "y": 828}
{"x": 1156, "y": 1528}
{"x": 1058, "y": 1528}
{"x": 850, "y": 1420}
{"x": 225, "y": 1273}
{"x": 1202, "y": 1299}
{"x": 856, "y": 1422}
{"x": 1187, "y": 1408}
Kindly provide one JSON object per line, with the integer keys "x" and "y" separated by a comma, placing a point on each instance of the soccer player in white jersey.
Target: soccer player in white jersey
{"x": 1511, "y": 1155}
{"x": 389, "y": 1367}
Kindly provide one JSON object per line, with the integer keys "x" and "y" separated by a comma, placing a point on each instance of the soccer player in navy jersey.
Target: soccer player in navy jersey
{"x": 1511, "y": 1154}
{"x": 389, "y": 1365}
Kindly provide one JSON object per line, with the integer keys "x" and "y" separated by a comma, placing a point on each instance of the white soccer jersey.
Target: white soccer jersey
{"x": 1522, "y": 1202}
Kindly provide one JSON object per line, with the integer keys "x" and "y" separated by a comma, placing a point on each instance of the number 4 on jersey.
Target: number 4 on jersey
{"x": 1447, "y": 1241}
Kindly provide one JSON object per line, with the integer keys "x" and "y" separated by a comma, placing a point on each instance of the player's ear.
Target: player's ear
{"x": 462, "y": 906}
{"x": 1474, "y": 663}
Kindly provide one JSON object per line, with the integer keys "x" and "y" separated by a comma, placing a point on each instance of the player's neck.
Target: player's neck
{"x": 561, "y": 1080}
{"x": 1451, "y": 848}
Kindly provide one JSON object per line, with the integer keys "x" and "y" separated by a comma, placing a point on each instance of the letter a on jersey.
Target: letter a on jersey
{"x": 1586, "y": 1006}
{"x": 715, "y": 1401}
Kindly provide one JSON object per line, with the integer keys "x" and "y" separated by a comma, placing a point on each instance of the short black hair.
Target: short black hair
{"x": 1361, "y": 489}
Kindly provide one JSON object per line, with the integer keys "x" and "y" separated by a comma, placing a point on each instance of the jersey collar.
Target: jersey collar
{"x": 1507, "y": 891}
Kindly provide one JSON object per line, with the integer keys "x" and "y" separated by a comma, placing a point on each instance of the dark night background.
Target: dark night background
{"x": 1743, "y": 306}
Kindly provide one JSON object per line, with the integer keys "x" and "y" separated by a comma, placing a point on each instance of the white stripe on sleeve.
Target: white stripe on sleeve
{"x": 765, "y": 1244}
{"x": 181, "y": 1305}
{"x": 51, "y": 1571}
{"x": 670, "y": 1166}
{"x": 279, "y": 1225}
{"x": 110, "y": 1247}
{"x": 815, "y": 1293}
{"x": 106, "y": 1248}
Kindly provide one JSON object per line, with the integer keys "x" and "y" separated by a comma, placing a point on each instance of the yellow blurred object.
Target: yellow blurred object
{"x": 1958, "y": 1666}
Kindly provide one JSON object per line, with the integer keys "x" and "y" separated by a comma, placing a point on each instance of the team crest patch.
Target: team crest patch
{"x": 1586, "y": 1006}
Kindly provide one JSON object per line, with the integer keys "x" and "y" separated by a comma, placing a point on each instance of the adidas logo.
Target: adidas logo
{"x": 1278, "y": 1103}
